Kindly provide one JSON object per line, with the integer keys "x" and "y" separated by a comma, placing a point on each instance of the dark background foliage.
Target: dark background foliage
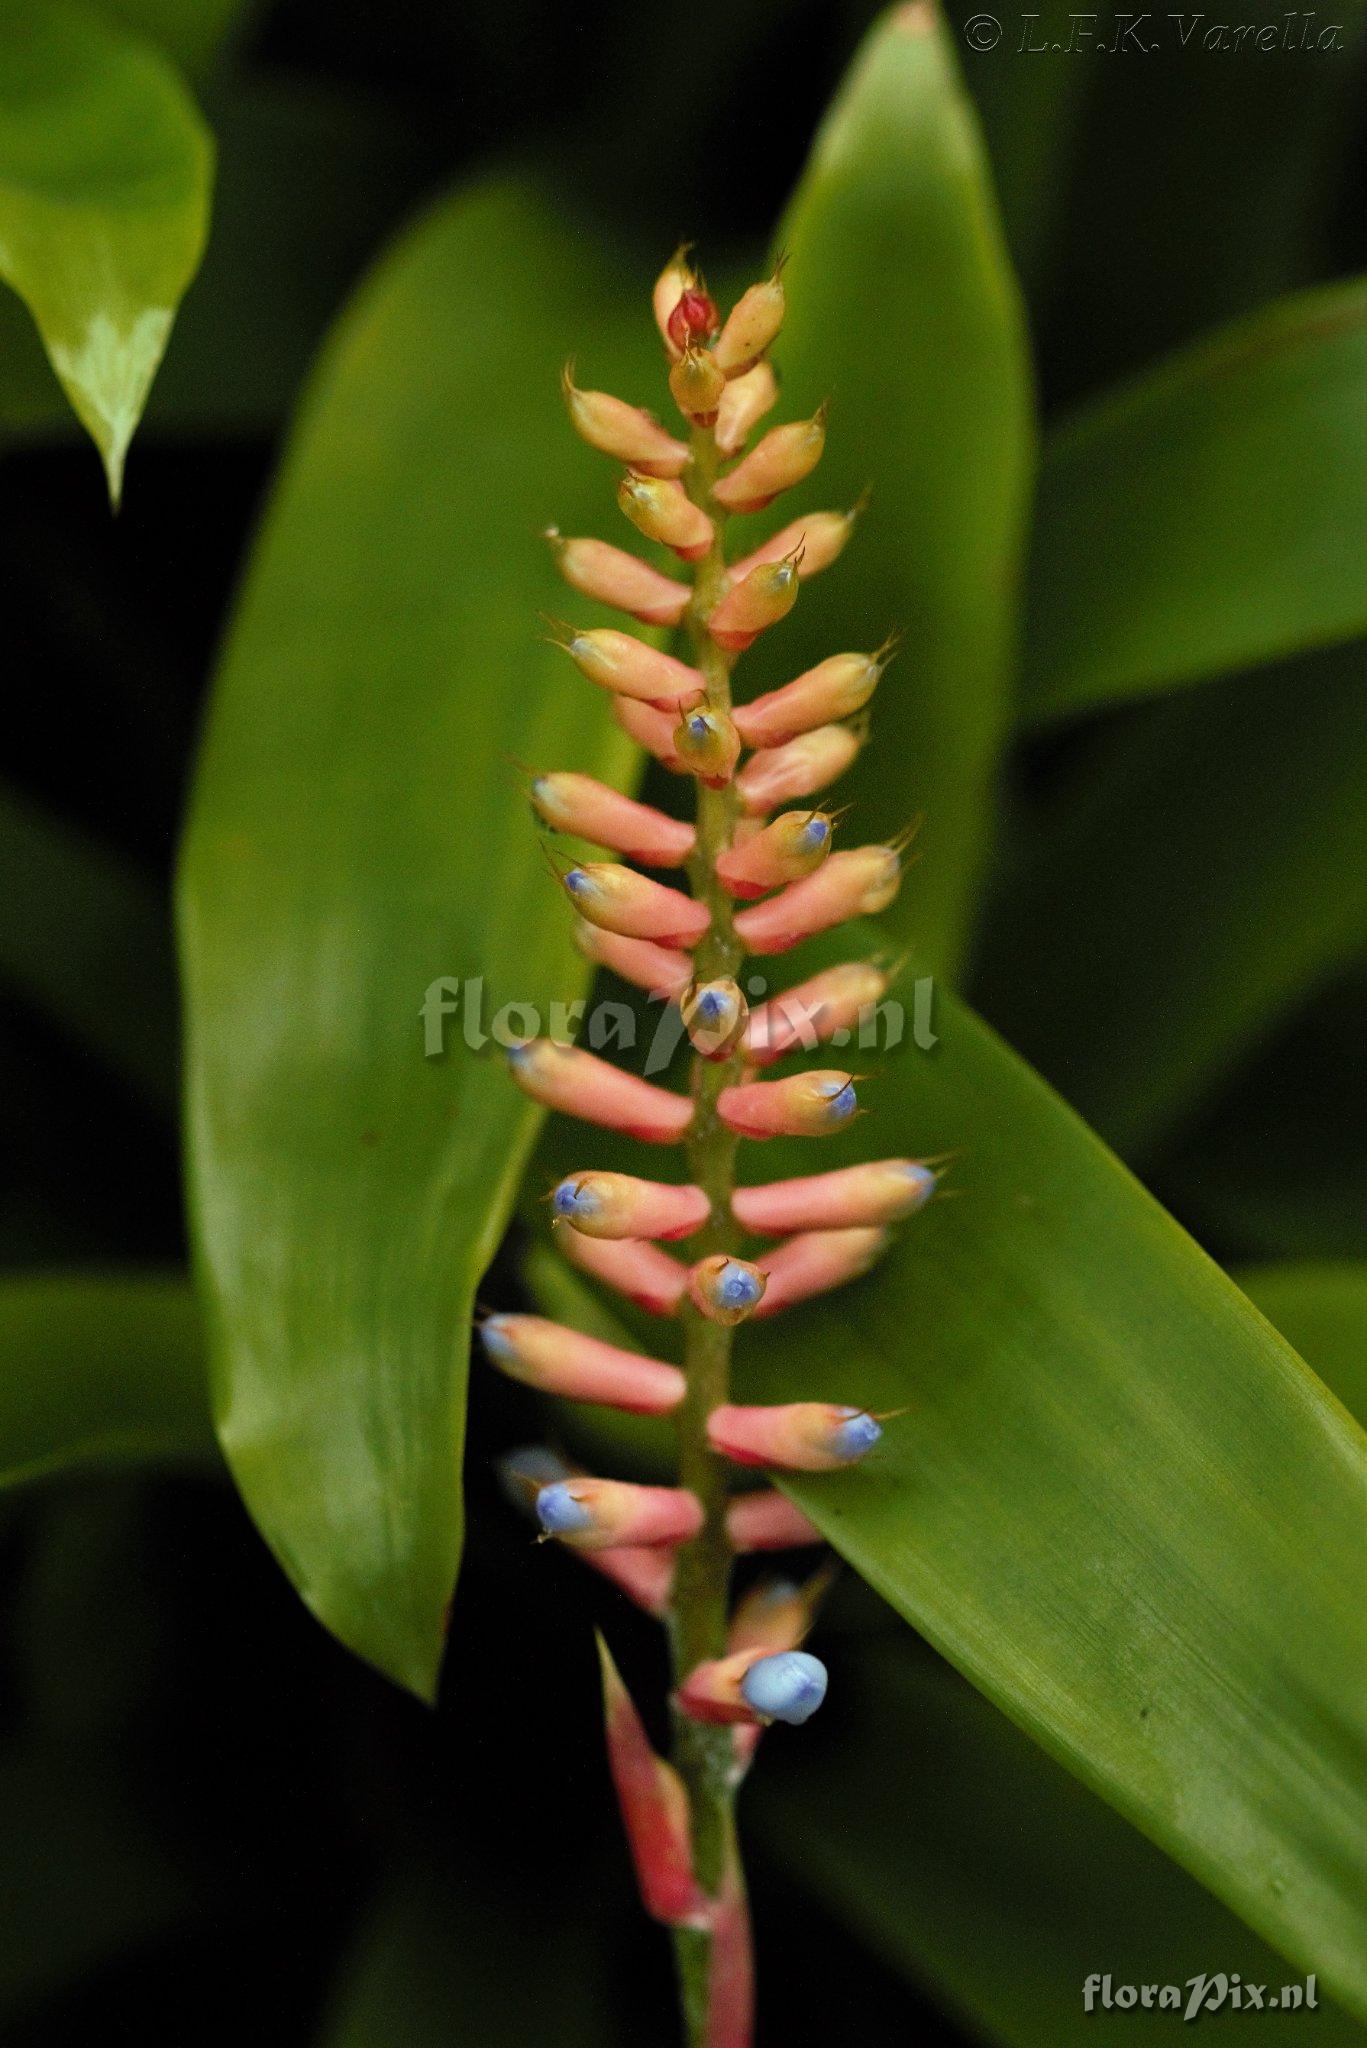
{"x": 204, "y": 1790}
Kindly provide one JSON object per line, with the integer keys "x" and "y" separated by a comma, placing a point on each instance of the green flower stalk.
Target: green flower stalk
{"x": 671, "y": 1548}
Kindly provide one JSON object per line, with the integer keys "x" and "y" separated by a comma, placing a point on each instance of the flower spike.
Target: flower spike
{"x": 587, "y": 809}
{"x": 619, "y": 1205}
{"x": 760, "y": 876}
{"x": 626, "y": 432}
{"x": 759, "y": 600}
{"x": 567, "y": 1078}
{"x": 560, "y": 1361}
{"x": 596, "y": 569}
{"x": 783, "y": 458}
{"x": 801, "y": 1106}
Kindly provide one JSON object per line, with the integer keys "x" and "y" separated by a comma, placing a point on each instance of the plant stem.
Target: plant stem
{"x": 703, "y": 1753}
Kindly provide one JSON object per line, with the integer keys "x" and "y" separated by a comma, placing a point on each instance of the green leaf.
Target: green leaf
{"x": 105, "y": 170}
{"x": 1202, "y": 871}
{"x": 1120, "y": 1503}
{"x": 84, "y": 937}
{"x": 974, "y": 1864}
{"x": 1320, "y": 1306}
{"x": 193, "y": 33}
{"x": 355, "y": 836}
{"x": 903, "y": 310}
{"x": 99, "y": 1369}
{"x": 1194, "y": 521}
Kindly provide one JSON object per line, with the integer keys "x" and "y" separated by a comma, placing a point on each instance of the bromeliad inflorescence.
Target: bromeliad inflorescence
{"x": 670, "y": 1547}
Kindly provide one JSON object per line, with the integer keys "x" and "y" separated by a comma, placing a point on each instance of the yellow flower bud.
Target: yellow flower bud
{"x": 708, "y": 745}
{"x": 752, "y": 324}
{"x": 783, "y": 458}
{"x": 664, "y": 511}
{"x": 760, "y": 599}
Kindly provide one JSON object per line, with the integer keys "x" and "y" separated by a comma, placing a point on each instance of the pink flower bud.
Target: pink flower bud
{"x": 627, "y": 667}
{"x": 854, "y": 884}
{"x": 597, "y": 1514}
{"x": 751, "y": 325}
{"x": 817, "y": 1261}
{"x": 783, "y": 458}
{"x": 654, "y": 1809}
{"x": 626, "y": 432}
{"x": 677, "y": 277}
{"x": 792, "y": 846}
{"x": 657, "y": 969}
{"x": 768, "y": 1521}
{"x": 663, "y": 511}
{"x": 697, "y": 386}
{"x": 800, "y": 1436}
{"x": 565, "y": 1077}
{"x": 610, "y": 576}
{"x": 834, "y": 689}
{"x": 755, "y": 1685}
{"x": 707, "y": 743}
{"x": 852, "y": 1198}
{"x": 645, "y": 1576}
{"x": 821, "y": 535}
{"x": 651, "y": 729}
{"x": 579, "y": 805}
{"x": 714, "y": 1015}
{"x": 742, "y": 405}
{"x": 564, "y": 1362}
{"x": 693, "y": 318}
{"x": 633, "y": 1266}
{"x": 800, "y": 1106}
{"x": 776, "y": 1614}
{"x": 726, "y": 1290}
{"x": 632, "y": 905}
{"x": 619, "y": 1205}
{"x": 781, "y": 775}
{"x": 815, "y": 1010}
{"x": 758, "y": 601}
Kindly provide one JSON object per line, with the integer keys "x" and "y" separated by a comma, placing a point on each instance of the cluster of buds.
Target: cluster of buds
{"x": 765, "y": 875}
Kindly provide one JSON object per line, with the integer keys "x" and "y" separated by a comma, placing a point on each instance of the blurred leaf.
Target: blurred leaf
{"x": 84, "y": 937}
{"x": 310, "y": 181}
{"x": 355, "y": 836}
{"x": 99, "y": 1369}
{"x": 1320, "y": 1306}
{"x": 105, "y": 169}
{"x": 1203, "y": 869}
{"x": 1195, "y": 520}
{"x": 903, "y": 311}
{"x": 434, "y": 1966}
{"x": 1276, "y": 1168}
{"x": 192, "y": 32}
{"x": 972, "y": 1863}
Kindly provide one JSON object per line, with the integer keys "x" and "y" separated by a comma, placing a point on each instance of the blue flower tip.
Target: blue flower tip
{"x": 572, "y": 1198}
{"x": 787, "y": 1687}
{"x": 856, "y": 1435}
{"x": 578, "y": 883}
{"x": 737, "y": 1287}
{"x": 558, "y": 1512}
{"x": 844, "y": 1101}
{"x": 697, "y": 725}
{"x": 815, "y": 833}
{"x": 493, "y": 1335}
{"x": 711, "y": 1004}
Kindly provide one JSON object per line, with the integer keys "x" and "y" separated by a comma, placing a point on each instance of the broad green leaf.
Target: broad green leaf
{"x": 1201, "y": 873}
{"x": 99, "y": 1369}
{"x": 971, "y": 1862}
{"x": 356, "y": 836}
{"x": 105, "y": 170}
{"x": 192, "y": 32}
{"x": 1197, "y": 519}
{"x": 903, "y": 311}
{"x": 1320, "y": 1306}
{"x": 1276, "y": 1168}
{"x": 1119, "y": 1503}
{"x": 84, "y": 938}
